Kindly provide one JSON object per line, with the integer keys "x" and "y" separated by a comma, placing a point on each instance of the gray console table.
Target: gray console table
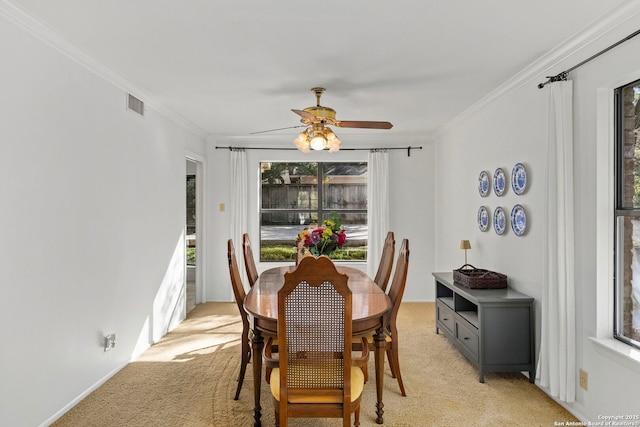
{"x": 493, "y": 328}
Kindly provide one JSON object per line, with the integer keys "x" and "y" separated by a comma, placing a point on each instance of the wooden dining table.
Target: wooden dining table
{"x": 370, "y": 304}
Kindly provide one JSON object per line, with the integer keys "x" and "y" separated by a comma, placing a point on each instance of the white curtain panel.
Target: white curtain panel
{"x": 377, "y": 207}
{"x": 238, "y": 210}
{"x": 556, "y": 362}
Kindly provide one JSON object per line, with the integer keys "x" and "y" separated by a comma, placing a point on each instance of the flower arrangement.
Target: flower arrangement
{"x": 323, "y": 239}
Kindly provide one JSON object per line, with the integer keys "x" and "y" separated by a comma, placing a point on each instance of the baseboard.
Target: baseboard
{"x": 84, "y": 394}
{"x": 569, "y": 407}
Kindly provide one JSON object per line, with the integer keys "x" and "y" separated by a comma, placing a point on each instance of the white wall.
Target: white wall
{"x": 93, "y": 217}
{"x": 92, "y": 224}
{"x": 512, "y": 128}
{"x": 411, "y": 212}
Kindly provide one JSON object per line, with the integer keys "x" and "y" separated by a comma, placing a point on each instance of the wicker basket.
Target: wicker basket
{"x": 476, "y": 278}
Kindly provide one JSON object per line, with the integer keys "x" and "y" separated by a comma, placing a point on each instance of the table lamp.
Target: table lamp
{"x": 464, "y": 244}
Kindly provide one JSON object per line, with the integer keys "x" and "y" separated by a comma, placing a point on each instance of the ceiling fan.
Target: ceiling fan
{"x": 318, "y": 136}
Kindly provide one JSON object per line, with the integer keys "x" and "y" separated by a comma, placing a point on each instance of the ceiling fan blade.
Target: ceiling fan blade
{"x": 363, "y": 124}
{"x": 306, "y": 115}
{"x": 273, "y": 130}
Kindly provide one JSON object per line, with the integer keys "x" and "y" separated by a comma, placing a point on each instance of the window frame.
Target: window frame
{"x": 620, "y": 212}
{"x": 320, "y": 211}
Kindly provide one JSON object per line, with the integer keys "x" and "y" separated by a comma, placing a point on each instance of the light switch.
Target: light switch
{"x": 221, "y": 207}
{"x": 109, "y": 342}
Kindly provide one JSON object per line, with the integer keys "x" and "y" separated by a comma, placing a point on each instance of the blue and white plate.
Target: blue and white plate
{"x": 519, "y": 179}
{"x": 483, "y": 218}
{"x": 499, "y": 182}
{"x": 499, "y": 221}
{"x": 518, "y": 220}
{"x": 483, "y": 184}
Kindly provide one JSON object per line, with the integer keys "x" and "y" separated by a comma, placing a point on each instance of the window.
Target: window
{"x": 293, "y": 195}
{"x": 627, "y": 214}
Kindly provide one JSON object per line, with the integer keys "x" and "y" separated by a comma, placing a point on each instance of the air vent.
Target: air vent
{"x": 135, "y": 105}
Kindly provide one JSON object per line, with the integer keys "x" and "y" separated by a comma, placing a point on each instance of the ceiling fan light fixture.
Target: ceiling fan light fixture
{"x": 318, "y": 140}
{"x": 333, "y": 146}
{"x": 317, "y": 135}
{"x": 333, "y": 142}
{"x": 302, "y": 142}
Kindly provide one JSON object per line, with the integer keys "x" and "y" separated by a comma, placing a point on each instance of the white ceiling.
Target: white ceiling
{"x": 236, "y": 67}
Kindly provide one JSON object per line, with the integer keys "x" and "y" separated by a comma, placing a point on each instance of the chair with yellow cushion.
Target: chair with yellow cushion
{"x": 391, "y": 329}
{"x": 386, "y": 262}
{"x": 315, "y": 375}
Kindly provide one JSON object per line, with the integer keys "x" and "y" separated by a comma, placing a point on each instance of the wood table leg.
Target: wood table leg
{"x": 379, "y": 340}
{"x": 257, "y": 344}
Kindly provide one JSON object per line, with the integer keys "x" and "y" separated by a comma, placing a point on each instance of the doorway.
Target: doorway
{"x": 190, "y": 233}
{"x": 194, "y": 231}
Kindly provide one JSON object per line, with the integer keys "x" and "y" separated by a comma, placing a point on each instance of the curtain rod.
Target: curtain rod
{"x": 563, "y": 75}
{"x": 230, "y": 148}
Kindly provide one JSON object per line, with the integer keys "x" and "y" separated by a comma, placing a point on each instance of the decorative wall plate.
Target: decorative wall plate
{"x": 483, "y": 218}
{"x": 483, "y": 184}
{"x": 499, "y": 221}
{"x": 518, "y": 220}
{"x": 519, "y": 179}
{"x": 499, "y": 182}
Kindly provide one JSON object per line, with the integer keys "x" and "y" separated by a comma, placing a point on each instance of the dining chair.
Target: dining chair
{"x": 239, "y": 294}
{"x": 396, "y": 292}
{"x": 386, "y": 262}
{"x": 249, "y": 261}
{"x": 315, "y": 375}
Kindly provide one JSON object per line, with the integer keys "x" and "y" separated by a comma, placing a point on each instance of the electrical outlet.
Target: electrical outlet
{"x": 109, "y": 342}
{"x": 584, "y": 380}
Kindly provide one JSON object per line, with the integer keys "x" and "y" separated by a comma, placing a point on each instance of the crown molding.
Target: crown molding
{"x": 624, "y": 12}
{"x": 54, "y": 39}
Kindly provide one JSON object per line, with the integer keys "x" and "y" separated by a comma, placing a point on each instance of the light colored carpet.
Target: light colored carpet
{"x": 189, "y": 379}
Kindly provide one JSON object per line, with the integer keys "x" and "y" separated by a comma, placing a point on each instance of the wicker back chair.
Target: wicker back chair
{"x": 315, "y": 375}
{"x": 249, "y": 262}
{"x": 386, "y": 262}
{"x": 239, "y": 294}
